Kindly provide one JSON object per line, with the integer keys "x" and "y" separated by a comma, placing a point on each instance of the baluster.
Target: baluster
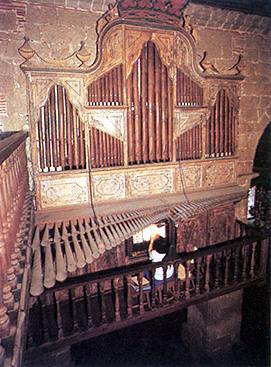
{"x": 58, "y": 315}
{"x": 198, "y": 264}
{"x": 207, "y": 273}
{"x": 164, "y": 284}
{"x": 117, "y": 302}
{"x": 74, "y": 312}
{"x": 7, "y": 223}
{"x": 44, "y": 318}
{"x": 245, "y": 260}
{"x": 236, "y": 260}
{"x": 226, "y": 276}
{"x": 141, "y": 295}
{"x": 187, "y": 279}
{"x": 88, "y": 304}
{"x": 4, "y": 319}
{"x": 252, "y": 265}
{"x": 129, "y": 297}
{"x": 103, "y": 306}
{"x": 217, "y": 258}
{"x": 263, "y": 258}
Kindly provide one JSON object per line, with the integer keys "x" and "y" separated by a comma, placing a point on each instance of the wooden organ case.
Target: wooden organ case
{"x": 144, "y": 119}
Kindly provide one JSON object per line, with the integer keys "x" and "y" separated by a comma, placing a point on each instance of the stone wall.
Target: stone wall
{"x": 56, "y": 28}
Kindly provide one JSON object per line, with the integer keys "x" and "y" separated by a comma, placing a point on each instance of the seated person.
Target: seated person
{"x": 157, "y": 251}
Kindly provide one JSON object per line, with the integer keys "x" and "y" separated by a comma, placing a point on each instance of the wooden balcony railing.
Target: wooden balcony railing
{"x": 98, "y": 303}
{"x": 14, "y": 199}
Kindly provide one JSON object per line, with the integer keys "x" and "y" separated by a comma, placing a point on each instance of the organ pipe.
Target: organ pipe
{"x": 188, "y": 93}
{"x": 188, "y": 144}
{"x": 150, "y": 110}
{"x": 221, "y": 127}
{"x": 107, "y": 90}
{"x": 60, "y": 134}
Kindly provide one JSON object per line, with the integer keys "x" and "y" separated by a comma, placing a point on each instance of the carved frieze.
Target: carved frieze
{"x": 150, "y": 182}
{"x": 63, "y": 191}
{"x": 218, "y": 174}
{"x": 189, "y": 177}
{"x": 108, "y": 186}
{"x": 109, "y": 120}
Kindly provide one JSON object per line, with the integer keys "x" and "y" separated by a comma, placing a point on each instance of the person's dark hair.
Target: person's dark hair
{"x": 160, "y": 245}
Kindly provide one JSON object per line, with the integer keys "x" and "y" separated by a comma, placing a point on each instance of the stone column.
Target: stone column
{"x": 213, "y": 327}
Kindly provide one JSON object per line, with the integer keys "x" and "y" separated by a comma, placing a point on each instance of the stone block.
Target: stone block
{"x": 8, "y": 21}
{"x": 73, "y": 4}
{"x": 42, "y": 15}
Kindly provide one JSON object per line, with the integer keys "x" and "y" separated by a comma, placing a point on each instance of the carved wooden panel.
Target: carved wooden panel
{"x": 108, "y": 186}
{"x": 112, "y": 48}
{"x": 189, "y": 177}
{"x": 150, "y": 182}
{"x": 62, "y": 191}
{"x": 215, "y": 174}
{"x": 134, "y": 41}
{"x": 221, "y": 224}
{"x": 111, "y": 121}
{"x": 191, "y": 233}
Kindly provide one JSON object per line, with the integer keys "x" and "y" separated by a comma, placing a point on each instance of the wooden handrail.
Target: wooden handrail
{"x": 212, "y": 272}
{"x": 13, "y": 193}
{"x": 10, "y": 143}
